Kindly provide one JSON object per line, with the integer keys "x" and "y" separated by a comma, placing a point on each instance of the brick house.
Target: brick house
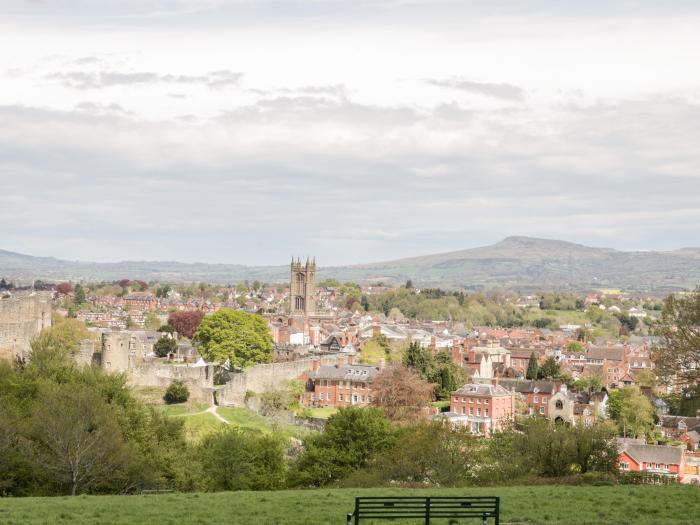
{"x": 533, "y": 396}
{"x": 141, "y": 301}
{"x": 636, "y": 456}
{"x": 482, "y": 408}
{"x": 340, "y": 385}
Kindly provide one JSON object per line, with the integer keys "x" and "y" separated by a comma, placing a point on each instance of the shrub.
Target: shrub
{"x": 177, "y": 392}
{"x": 165, "y": 346}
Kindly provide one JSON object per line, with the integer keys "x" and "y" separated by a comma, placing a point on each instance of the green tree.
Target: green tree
{"x": 352, "y": 439}
{"x": 532, "y": 367}
{"x": 165, "y": 346}
{"x": 151, "y": 321}
{"x": 79, "y": 297}
{"x": 239, "y": 459}
{"x": 549, "y": 369}
{"x": 632, "y": 411}
{"x": 241, "y": 338}
{"x": 575, "y": 346}
{"x": 177, "y": 392}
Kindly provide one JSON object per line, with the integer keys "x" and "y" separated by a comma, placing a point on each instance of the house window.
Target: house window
{"x": 478, "y": 401}
{"x": 354, "y": 398}
{"x": 464, "y": 410}
{"x": 471, "y": 411}
{"x": 486, "y": 412}
{"x": 542, "y": 410}
{"x": 624, "y": 466}
{"x": 320, "y": 396}
{"x": 340, "y": 397}
{"x": 471, "y": 400}
{"x": 559, "y": 405}
{"x": 478, "y": 411}
{"x": 544, "y": 400}
{"x": 537, "y": 399}
{"x": 486, "y": 401}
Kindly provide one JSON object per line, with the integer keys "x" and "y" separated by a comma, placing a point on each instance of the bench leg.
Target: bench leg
{"x": 349, "y": 518}
{"x": 485, "y": 520}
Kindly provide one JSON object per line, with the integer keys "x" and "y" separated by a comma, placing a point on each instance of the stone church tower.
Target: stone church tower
{"x": 302, "y": 288}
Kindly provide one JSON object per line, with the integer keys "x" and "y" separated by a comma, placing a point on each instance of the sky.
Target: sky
{"x": 235, "y": 131}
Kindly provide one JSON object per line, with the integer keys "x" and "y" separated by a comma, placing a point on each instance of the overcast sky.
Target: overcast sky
{"x": 248, "y": 131}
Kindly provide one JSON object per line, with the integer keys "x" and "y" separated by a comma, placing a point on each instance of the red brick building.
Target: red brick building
{"x": 340, "y": 385}
{"x": 482, "y": 408}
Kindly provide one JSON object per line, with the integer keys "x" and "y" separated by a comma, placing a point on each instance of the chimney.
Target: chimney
{"x": 376, "y": 330}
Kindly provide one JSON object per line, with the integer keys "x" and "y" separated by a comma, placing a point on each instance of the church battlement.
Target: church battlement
{"x": 302, "y": 287}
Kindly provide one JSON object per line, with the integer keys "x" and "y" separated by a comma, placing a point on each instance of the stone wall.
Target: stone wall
{"x": 199, "y": 379}
{"x": 260, "y": 378}
{"x": 22, "y": 316}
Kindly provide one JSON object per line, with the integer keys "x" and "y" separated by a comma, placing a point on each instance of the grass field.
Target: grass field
{"x": 556, "y": 505}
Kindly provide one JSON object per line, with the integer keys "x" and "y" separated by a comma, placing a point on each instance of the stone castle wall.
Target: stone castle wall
{"x": 199, "y": 379}
{"x": 260, "y": 378}
{"x": 22, "y": 317}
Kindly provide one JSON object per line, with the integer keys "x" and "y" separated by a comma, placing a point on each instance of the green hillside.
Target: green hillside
{"x": 615, "y": 505}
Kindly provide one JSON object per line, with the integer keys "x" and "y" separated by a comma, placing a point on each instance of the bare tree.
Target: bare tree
{"x": 402, "y": 393}
{"x": 77, "y": 440}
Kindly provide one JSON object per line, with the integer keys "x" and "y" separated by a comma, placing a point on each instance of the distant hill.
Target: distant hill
{"x": 523, "y": 263}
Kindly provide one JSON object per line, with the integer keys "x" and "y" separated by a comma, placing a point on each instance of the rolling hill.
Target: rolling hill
{"x": 516, "y": 262}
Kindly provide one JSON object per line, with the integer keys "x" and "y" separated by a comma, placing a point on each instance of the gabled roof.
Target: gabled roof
{"x": 474, "y": 389}
{"x": 346, "y": 372}
{"x": 654, "y": 454}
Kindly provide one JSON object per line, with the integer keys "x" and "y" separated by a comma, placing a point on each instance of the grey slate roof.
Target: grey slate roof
{"x": 473, "y": 389}
{"x": 655, "y": 454}
{"x": 346, "y": 372}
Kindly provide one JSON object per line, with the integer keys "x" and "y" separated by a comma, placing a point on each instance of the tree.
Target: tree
{"x": 241, "y": 338}
{"x": 418, "y": 358}
{"x": 177, "y": 392}
{"x": 79, "y": 296}
{"x": 163, "y": 291}
{"x": 352, "y": 439}
{"x": 239, "y": 459}
{"x": 409, "y": 284}
{"x": 64, "y": 288}
{"x": 549, "y": 369}
{"x": 632, "y": 411}
{"x": 77, "y": 441}
{"x": 575, "y": 346}
{"x": 401, "y": 393}
{"x": 677, "y": 357}
{"x": 186, "y": 323}
{"x": 532, "y": 367}
{"x": 165, "y": 346}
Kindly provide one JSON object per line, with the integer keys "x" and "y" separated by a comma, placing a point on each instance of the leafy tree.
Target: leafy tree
{"x": 352, "y": 439}
{"x": 64, "y": 288}
{"x": 163, "y": 291}
{"x": 177, "y": 392}
{"x": 549, "y": 369}
{"x": 532, "y": 367}
{"x": 409, "y": 284}
{"x": 238, "y": 337}
{"x": 76, "y": 440}
{"x": 418, "y": 358}
{"x": 238, "y": 459}
{"x": 373, "y": 352}
{"x": 678, "y": 355}
{"x": 402, "y": 393}
{"x": 186, "y": 323}
{"x": 166, "y": 329}
{"x": 435, "y": 452}
{"x": 6, "y": 285}
{"x": 165, "y": 346}
{"x": 79, "y": 296}
{"x": 632, "y": 411}
{"x": 575, "y": 346}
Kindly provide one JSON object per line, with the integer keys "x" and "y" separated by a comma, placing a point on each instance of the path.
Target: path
{"x": 213, "y": 412}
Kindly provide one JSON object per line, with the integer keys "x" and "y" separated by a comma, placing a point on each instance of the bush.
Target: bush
{"x": 177, "y": 392}
{"x": 165, "y": 346}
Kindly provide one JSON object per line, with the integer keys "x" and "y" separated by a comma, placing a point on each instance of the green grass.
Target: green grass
{"x": 323, "y": 413}
{"x": 244, "y": 418}
{"x": 534, "y": 505}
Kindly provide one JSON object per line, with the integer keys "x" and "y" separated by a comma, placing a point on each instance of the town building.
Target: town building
{"x": 482, "y": 408}
{"x": 340, "y": 385}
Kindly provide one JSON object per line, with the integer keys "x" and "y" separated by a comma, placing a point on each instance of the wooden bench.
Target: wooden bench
{"x": 425, "y": 508}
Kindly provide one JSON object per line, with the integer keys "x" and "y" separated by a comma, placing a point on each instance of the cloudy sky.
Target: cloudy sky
{"x": 356, "y": 131}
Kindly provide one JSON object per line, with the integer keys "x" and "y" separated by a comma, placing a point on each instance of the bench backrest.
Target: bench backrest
{"x": 427, "y": 507}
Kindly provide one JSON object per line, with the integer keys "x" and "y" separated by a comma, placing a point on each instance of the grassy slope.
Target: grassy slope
{"x": 638, "y": 505}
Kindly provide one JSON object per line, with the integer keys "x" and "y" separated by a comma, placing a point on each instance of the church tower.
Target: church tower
{"x": 302, "y": 288}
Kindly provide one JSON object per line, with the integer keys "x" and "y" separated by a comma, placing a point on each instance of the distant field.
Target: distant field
{"x": 555, "y": 505}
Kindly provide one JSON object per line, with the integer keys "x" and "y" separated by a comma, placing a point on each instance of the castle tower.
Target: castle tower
{"x": 302, "y": 288}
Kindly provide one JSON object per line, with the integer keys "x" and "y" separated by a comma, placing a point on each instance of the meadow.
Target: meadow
{"x": 532, "y": 505}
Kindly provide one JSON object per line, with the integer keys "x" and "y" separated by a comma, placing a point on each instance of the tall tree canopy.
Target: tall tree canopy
{"x": 677, "y": 357}
{"x": 241, "y": 338}
{"x": 186, "y": 323}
